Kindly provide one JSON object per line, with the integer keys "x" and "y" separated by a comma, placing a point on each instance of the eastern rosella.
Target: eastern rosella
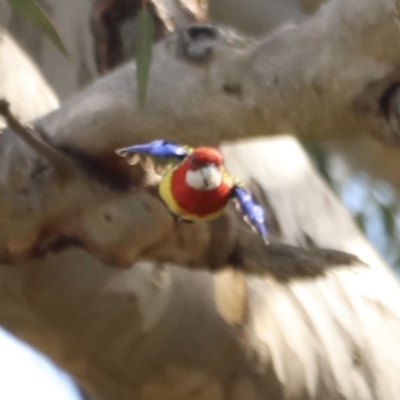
{"x": 198, "y": 188}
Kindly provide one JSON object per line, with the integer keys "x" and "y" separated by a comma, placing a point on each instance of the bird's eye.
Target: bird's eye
{"x": 194, "y": 163}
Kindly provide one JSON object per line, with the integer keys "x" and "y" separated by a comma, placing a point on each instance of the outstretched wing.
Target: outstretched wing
{"x": 253, "y": 212}
{"x": 159, "y": 154}
{"x": 157, "y": 148}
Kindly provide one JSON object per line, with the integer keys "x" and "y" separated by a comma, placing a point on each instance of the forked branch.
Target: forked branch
{"x": 32, "y": 138}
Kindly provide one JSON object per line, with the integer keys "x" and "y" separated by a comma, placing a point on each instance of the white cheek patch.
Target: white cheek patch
{"x": 207, "y": 178}
{"x": 194, "y": 179}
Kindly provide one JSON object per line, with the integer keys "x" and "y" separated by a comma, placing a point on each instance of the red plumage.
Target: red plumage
{"x": 201, "y": 203}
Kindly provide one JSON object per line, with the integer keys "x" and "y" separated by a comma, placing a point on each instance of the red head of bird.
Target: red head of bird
{"x": 204, "y": 169}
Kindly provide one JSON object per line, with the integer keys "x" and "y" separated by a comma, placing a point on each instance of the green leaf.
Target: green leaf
{"x": 360, "y": 220}
{"x": 143, "y": 46}
{"x": 388, "y": 220}
{"x": 320, "y": 158}
{"x": 32, "y": 12}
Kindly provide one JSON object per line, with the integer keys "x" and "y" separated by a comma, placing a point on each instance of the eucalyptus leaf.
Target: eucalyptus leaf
{"x": 360, "y": 220}
{"x": 30, "y": 10}
{"x": 143, "y": 46}
{"x": 388, "y": 216}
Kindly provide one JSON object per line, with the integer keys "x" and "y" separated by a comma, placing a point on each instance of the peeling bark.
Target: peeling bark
{"x": 109, "y": 20}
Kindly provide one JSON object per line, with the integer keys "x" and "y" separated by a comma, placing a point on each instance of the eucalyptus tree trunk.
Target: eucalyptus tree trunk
{"x": 162, "y": 323}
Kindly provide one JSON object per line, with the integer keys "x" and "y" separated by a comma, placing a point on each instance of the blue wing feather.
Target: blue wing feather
{"x": 253, "y": 211}
{"x": 157, "y": 148}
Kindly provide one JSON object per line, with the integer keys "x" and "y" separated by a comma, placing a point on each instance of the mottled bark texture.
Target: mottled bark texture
{"x": 99, "y": 34}
{"x": 113, "y": 25}
{"x": 341, "y": 64}
{"x": 157, "y": 330}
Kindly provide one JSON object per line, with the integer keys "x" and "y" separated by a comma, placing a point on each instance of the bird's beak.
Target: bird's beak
{"x": 212, "y": 176}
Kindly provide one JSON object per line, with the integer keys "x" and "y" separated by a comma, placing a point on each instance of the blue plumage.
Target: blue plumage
{"x": 157, "y": 148}
{"x": 253, "y": 211}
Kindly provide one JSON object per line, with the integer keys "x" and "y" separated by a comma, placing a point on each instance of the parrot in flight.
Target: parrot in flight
{"x": 195, "y": 186}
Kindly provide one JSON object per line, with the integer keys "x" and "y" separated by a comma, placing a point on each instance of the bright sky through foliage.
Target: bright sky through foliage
{"x": 26, "y": 375}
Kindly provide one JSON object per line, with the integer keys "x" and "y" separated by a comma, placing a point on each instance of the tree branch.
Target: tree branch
{"x": 121, "y": 227}
{"x": 313, "y": 80}
{"x": 151, "y": 332}
{"x": 126, "y": 333}
{"x": 62, "y": 164}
